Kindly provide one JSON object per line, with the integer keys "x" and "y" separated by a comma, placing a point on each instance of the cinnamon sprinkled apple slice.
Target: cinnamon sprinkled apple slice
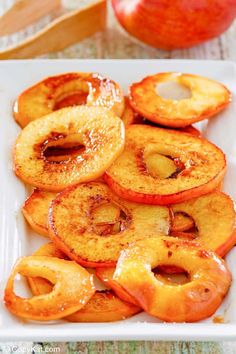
{"x": 69, "y": 89}
{"x": 203, "y": 98}
{"x": 97, "y": 132}
{"x": 199, "y": 166}
{"x": 73, "y": 229}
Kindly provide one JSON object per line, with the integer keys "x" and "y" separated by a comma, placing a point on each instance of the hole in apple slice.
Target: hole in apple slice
{"x": 42, "y": 285}
{"x": 182, "y": 222}
{"x": 109, "y": 219}
{"x": 161, "y": 166}
{"x": 160, "y": 161}
{"x": 62, "y": 149}
{"x": 171, "y": 90}
{"x": 171, "y": 275}
{"x": 72, "y": 99}
{"x": 21, "y": 288}
{"x": 105, "y": 213}
{"x": 183, "y": 226}
{"x": 63, "y": 153}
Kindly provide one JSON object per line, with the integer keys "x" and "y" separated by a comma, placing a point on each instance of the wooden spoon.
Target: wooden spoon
{"x": 24, "y": 13}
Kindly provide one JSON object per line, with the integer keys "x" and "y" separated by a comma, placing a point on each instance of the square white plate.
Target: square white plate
{"x": 16, "y": 238}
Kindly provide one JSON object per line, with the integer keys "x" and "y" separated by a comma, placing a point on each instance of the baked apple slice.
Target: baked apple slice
{"x": 65, "y": 90}
{"x": 209, "y": 278}
{"x": 168, "y": 272}
{"x": 73, "y": 230}
{"x": 215, "y": 218}
{"x": 104, "y": 306}
{"x": 98, "y": 132}
{"x": 199, "y": 166}
{"x": 35, "y": 210}
{"x": 203, "y": 98}
{"x": 73, "y": 287}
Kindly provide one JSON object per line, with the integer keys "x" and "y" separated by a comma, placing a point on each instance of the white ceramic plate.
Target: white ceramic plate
{"x": 16, "y": 238}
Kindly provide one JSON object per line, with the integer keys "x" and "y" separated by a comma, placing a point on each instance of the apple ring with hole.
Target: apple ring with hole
{"x": 65, "y": 90}
{"x": 104, "y": 305}
{"x": 156, "y": 98}
{"x": 73, "y": 288}
{"x": 105, "y": 275}
{"x": 98, "y": 132}
{"x": 161, "y": 166}
{"x": 215, "y": 220}
{"x": 72, "y": 229}
{"x": 209, "y": 279}
{"x": 36, "y": 210}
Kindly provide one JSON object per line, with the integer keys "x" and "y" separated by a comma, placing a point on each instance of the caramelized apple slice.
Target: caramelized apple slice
{"x": 35, "y": 210}
{"x": 106, "y": 277}
{"x": 73, "y": 231}
{"x": 215, "y": 218}
{"x": 99, "y": 132}
{"x": 73, "y": 287}
{"x": 66, "y": 90}
{"x": 209, "y": 279}
{"x": 104, "y": 306}
{"x": 200, "y": 166}
{"x": 203, "y": 99}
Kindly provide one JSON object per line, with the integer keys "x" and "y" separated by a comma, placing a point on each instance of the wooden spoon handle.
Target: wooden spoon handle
{"x": 24, "y": 13}
{"x": 61, "y": 33}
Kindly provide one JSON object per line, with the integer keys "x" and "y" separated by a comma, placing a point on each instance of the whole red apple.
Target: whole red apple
{"x": 171, "y": 24}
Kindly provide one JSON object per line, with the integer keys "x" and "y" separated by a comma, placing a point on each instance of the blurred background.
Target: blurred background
{"x": 114, "y": 42}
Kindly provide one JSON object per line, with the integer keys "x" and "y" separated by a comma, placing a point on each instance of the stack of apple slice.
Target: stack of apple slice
{"x": 152, "y": 177}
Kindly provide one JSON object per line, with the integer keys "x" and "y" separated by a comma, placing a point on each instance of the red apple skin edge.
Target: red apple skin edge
{"x": 175, "y": 24}
{"x": 157, "y": 199}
